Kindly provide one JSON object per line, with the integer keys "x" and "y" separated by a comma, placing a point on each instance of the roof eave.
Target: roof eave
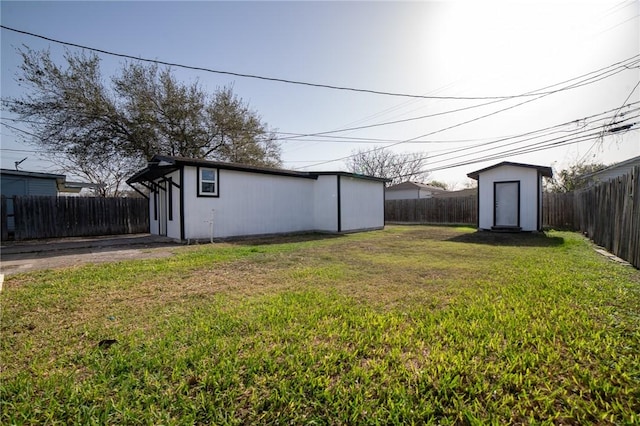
{"x": 543, "y": 170}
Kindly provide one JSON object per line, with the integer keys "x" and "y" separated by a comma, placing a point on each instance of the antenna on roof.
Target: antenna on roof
{"x": 17, "y": 163}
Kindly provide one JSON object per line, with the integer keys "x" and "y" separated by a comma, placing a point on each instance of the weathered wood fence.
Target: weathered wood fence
{"x": 608, "y": 213}
{"x": 53, "y": 217}
{"x": 457, "y": 210}
{"x": 558, "y": 211}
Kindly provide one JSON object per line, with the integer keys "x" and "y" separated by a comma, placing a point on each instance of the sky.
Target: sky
{"x": 458, "y": 50}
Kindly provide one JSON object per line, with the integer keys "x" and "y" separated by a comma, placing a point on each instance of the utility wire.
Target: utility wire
{"x": 430, "y": 133}
{"x": 450, "y": 127}
{"x": 572, "y": 134}
{"x": 588, "y": 133}
{"x": 517, "y": 151}
{"x": 601, "y": 138}
{"x": 496, "y": 99}
{"x": 520, "y": 152}
{"x": 618, "y": 67}
{"x": 539, "y": 94}
{"x": 18, "y": 129}
{"x": 485, "y": 146}
{"x": 259, "y": 77}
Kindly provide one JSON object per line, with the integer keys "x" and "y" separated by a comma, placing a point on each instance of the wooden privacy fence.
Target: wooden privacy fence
{"x": 54, "y": 217}
{"x": 609, "y": 213}
{"x": 558, "y": 211}
{"x": 462, "y": 210}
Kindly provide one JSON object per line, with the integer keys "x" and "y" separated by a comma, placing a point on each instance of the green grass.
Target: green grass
{"x": 409, "y": 325}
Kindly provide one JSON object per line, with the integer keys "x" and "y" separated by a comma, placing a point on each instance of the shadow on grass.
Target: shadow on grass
{"x": 54, "y": 247}
{"x": 520, "y": 239}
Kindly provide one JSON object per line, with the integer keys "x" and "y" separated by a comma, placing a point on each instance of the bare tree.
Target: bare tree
{"x": 389, "y": 165}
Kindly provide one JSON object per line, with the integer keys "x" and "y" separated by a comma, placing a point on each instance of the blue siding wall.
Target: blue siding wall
{"x": 24, "y": 185}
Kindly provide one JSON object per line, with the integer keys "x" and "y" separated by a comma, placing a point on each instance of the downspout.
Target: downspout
{"x": 478, "y": 206}
{"x": 182, "y": 189}
{"x": 539, "y": 203}
{"x": 339, "y": 206}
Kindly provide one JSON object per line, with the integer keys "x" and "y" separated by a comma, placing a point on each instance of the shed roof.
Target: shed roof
{"x": 161, "y": 165}
{"x": 544, "y": 170}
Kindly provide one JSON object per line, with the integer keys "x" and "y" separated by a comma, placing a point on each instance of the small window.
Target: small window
{"x": 208, "y": 182}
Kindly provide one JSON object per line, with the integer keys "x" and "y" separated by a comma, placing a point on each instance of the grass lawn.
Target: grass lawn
{"x": 409, "y": 325}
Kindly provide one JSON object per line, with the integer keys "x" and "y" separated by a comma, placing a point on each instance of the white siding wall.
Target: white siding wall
{"x": 254, "y": 204}
{"x": 326, "y": 203}
{"x": 529, "y": 195}
{"x": 402, "y": 194}
{"x": 248, "y": 204}
{"x": 361, "y": 204}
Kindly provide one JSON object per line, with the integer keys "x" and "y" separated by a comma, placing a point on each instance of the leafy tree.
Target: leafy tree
{"x": 105, "y": 131}
{"x": 389, "y": 165}
{"x": 572, "y": 178}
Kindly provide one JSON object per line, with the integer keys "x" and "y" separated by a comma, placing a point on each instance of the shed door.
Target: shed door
{"x": 507, "y": 204}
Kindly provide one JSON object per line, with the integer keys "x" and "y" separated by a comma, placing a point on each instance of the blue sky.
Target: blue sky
{"x": 461, "y": 49}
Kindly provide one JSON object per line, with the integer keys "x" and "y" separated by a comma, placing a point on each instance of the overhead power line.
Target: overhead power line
{"x": 537, "y": 134}
{"x": 523, "y": 150}
{"x": 574, "y": 137}
{"x": 582, "y": 82}
{"x": 600, "y": 74}
{"x": 513, "y": 144}
{"x": 540, "y": 146}
{"x": 260, "y": 77}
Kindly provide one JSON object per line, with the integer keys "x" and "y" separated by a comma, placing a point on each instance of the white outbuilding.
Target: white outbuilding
{"x": 192, "y": 199}
{"x": 510, "y": 196}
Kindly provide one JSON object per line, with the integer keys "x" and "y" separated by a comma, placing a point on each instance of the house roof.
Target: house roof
{"x": 414, "y": 185}
{"x": 544, "y": 171}
{"x": 161, "y": 165}
{"x": 61, "y": 180}
{"x": 467, "y": 192}
{"x": 37, "y": 175}
{"x": 623, "y": 167}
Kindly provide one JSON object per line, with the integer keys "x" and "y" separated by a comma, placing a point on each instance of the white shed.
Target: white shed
{"x": 192, "y": 199}
{"x": 510, "y": 196}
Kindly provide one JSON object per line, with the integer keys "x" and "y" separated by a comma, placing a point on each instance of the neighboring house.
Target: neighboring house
{"x": 510, "y": 196}
{"x": 611, "y": 172}
{"x": 18, "y": 182}
{"x": 411, "y": 191}
{"x": 194, "y": 199}
{"x": 467, "y": 192}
